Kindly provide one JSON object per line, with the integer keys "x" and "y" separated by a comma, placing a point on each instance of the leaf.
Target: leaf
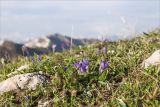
{"x": 122, "y": 103}
{"x": 103, "y": 83}
{"x": 103, "y": 76}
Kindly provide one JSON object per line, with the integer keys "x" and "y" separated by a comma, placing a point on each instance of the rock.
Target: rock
{"x": 23, "y": 67}
{"x": 45, "y": 103}
{"x": 154, "y": 59}
{"x": 2, "y": 61}
{"x": 23, "y": 81}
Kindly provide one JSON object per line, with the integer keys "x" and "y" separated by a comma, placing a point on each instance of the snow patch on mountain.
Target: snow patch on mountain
{"x": 42, "y": 42}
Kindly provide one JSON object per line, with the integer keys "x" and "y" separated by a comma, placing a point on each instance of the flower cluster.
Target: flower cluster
{"x": 38, "y": 59}
{"x": 82, "y": 65}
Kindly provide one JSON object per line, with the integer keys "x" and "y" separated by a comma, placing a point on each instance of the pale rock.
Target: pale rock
{"x": 2, "y": 61}
{"x": 44, "y": 103}
{"x": 23, "y": 81}
{"x": 23, "y": 67}
{"x": 154, "y": 59}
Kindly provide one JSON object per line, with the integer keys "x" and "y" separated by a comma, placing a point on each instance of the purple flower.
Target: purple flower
{"x": 101, "y": 50}
{"x": 103, "y": 65}
{"x": 53, "y": 47}
{"x": 28, "y": 97}
{"x": 82, "y": 69}
{"x": 86, "y": 62}
{"x": 82, "y": 65}
{"x": 104, "y": 49}
{"x": 65, "y": 68}
{"x": 38, "y": 58}
{"x": 32, "y": 59}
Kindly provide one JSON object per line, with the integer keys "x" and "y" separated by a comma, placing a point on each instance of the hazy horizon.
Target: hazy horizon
{"x": 22, "y": 20}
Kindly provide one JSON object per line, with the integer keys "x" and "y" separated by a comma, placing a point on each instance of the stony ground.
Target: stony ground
{"x": 102, "y": 74}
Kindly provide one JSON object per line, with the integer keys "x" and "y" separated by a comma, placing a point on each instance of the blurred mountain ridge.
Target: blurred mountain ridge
{"x": 41, "y": 45}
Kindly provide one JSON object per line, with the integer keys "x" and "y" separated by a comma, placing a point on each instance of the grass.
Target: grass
{"x": 124, "y": 83}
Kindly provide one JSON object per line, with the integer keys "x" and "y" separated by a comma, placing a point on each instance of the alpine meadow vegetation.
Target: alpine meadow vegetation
{"x": 102, "y": 74}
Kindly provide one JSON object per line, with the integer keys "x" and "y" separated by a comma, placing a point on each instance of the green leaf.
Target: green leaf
{"x": 122, "y": 103}
{"x": 103, "y": 76}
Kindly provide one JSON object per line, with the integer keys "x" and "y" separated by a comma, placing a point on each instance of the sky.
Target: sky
{"x": 27, "y": 19}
